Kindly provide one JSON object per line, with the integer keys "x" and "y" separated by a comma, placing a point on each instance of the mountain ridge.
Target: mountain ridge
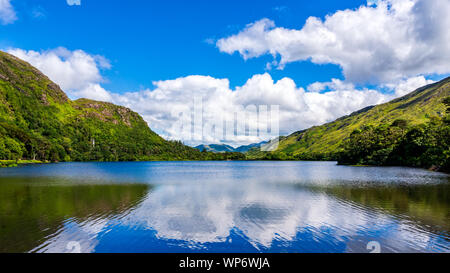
{"x": 221, "y": 148}
{"x": 39, "y": 122}
{"x": 325, "y": 141}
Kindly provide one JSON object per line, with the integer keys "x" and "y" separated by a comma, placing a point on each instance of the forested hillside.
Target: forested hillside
{"x": 423, "y": 109}
{"x": 425, "y": 145}
{"x": 39, "y": 122}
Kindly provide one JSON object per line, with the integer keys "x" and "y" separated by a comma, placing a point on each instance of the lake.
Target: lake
{"x": 222, "y": 207}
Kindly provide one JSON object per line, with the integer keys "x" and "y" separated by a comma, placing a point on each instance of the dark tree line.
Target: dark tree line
{"x": 400, "y": 144}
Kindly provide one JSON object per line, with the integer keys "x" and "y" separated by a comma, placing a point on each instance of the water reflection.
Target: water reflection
{"x": 34, "y": 213}
{"x": 428, "y": 205}
{"x": 223, "y": 207}
{"x": 272, "y": 219}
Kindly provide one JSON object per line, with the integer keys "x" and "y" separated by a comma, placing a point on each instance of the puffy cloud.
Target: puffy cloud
{"x": 406, "y": 86}
{"x": 382, "y": 42}
{"x": 94, "y": 91}
{"x": 250, "y": 42}
{"x": 77, "y": 72}
{"x": 7, "y": 13}
{"x": 334, "y": 84}
{"x": 298, "y": 109}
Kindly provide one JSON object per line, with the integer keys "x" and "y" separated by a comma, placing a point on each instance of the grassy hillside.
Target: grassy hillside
{"x": 325, "y": 141}
{"x": 39, "y": 122}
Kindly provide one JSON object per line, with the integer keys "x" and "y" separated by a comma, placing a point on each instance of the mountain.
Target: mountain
{"x": 246, "y": 148}
{"x": 38, "y": 121}
{"x": 222, "y": 148}
{"x": 325, "y": 141}
{"x": 215, "y": 148}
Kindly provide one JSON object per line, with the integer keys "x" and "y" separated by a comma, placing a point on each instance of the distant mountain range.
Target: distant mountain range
{"x": 223, "y": 148}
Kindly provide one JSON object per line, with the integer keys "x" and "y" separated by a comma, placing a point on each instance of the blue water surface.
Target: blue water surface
{"x": 245, "y": 207}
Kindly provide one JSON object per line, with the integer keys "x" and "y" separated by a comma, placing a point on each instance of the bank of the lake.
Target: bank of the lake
{"x": 15, "y": 163}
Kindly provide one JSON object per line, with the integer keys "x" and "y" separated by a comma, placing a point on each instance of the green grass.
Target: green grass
{"x": 14, "y": 163}
{"x": 38, "y": 121}
{"x": 325, "y": 141}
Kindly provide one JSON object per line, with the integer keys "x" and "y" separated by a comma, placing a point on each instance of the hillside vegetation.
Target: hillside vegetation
{"x": 423, "y": 108}
{"x": 215, "y": 148}
{"x": 224, "y": 148}
{"x": 39, "y": 122}
{"x": 425, "y": 145}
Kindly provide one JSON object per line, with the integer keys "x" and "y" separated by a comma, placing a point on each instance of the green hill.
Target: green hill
{"x": 215, "y": 148}
{"x": 326, "y": 141}
{"x": 39, "y": 122}
{"x": 223, "y": 148}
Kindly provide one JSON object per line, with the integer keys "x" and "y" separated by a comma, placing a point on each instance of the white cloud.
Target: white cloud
{"x": 76, "y": 72}
{"x": 334, "y": 84}
{"x": 406, "y": 86}
{"x": 7, "y": 13}
{"x": 74, "y": 2}
{"x": 94, "y": 91}
{"x": 382, "y": 42}
{"x": 392, "y": 43}
{"x": 79, "y": 74}
{"x": 298, "y": 109}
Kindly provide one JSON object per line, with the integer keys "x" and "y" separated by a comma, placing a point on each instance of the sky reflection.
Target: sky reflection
{"x": 230, "y": 207}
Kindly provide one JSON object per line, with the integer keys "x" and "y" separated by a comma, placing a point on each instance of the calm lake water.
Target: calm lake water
{"x": 222, "y": 207}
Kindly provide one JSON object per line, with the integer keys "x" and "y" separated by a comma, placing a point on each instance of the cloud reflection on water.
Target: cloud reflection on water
{"x": 268, "y": 215}
{"x": 232, "y": 207}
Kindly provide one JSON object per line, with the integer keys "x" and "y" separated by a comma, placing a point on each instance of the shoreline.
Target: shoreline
{"x": 16, "y": 163}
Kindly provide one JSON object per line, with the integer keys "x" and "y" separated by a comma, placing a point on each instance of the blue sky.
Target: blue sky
{"x": 158, "y": 40}
{"x": 316, "y": 60}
